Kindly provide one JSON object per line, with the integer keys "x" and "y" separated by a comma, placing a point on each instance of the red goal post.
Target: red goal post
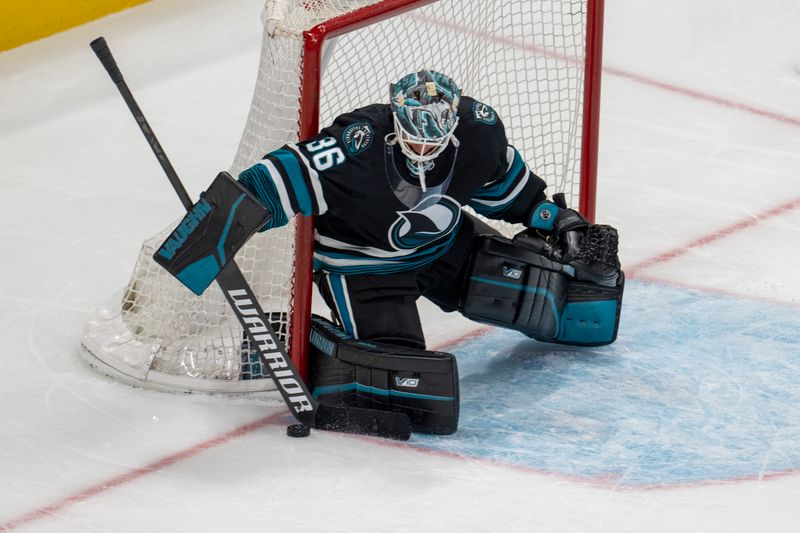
{"x": 537, "y": 62}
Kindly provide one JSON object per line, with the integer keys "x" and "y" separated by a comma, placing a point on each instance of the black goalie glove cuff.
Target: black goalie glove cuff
{"x": 554, "y": 218}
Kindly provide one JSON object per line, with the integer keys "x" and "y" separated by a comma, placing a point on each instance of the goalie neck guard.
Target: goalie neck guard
{"x": 424, "y": 107}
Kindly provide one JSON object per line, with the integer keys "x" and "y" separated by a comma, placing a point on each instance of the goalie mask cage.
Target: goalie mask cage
{"x": 536, "y": 62}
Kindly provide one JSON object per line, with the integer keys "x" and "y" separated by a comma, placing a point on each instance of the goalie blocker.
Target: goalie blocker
{"x": 211, "y": 233}
{"x": 346, "y": 372}
{"x": 513, "y": 284}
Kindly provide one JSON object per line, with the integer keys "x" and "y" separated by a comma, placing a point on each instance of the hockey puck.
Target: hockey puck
{"x": 298, "y": 430}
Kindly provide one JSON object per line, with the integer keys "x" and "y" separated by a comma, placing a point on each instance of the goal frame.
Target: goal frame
{"x": 313, "y": 42}
{"x": 538, "y": 63}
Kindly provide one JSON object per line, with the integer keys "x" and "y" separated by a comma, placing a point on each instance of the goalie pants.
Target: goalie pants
{"x": 383, "y": 307}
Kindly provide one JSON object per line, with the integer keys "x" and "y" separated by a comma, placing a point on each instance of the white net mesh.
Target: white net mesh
{"x": 523, "y": 57}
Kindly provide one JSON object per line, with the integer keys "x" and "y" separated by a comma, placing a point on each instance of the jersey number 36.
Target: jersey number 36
{"x": 326, "y": 153}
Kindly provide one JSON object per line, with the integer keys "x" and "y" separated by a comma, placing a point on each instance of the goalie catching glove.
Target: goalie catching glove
{"x": 208, "y": 237}
{"x": 557, "y": 281}
{"x": 564, "y": 235}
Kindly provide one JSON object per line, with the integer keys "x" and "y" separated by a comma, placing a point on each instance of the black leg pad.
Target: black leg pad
{"x": 512, "y": 285}
{"x": 374, "y": 375}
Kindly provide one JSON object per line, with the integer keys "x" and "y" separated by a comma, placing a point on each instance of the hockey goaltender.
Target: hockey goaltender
{"x": 388, "y": 184}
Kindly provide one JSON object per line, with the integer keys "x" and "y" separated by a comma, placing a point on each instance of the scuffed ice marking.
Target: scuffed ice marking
{"x": 697, "y": 387}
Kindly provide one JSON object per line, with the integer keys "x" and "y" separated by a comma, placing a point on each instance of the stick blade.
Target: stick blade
{"x": 386, "y": 424}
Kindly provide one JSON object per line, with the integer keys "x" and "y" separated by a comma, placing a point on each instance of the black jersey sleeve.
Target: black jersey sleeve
{"x": 510, "y": 189}
{"x": 514, "y": 191}
{"x": 287, "y": 183}
{"x": 299, "y": 177}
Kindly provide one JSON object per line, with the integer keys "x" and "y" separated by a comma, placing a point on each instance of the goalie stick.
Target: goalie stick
{"x": 245, "y": 306}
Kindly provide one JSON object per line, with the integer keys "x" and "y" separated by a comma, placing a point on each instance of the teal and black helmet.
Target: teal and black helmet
{"x": 424, "y": 105}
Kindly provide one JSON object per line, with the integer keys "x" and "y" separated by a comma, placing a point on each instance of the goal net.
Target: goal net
{"x": 536, "y": 62}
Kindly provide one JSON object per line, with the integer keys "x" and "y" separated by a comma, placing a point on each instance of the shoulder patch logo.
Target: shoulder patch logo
{"x": 357, "y": 137}
{"x": 483, "y": 113}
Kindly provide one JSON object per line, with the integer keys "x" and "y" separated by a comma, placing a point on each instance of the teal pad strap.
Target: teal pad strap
{"x": 544, "y": 216}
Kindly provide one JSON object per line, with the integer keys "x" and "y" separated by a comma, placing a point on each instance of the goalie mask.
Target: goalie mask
{"x": 424, "y": 106}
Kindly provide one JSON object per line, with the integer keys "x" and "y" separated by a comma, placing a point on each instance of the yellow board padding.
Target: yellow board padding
{"x": 23, "y": 21}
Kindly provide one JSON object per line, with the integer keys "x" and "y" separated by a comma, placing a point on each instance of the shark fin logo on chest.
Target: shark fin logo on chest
{"x": 430, "y": 220}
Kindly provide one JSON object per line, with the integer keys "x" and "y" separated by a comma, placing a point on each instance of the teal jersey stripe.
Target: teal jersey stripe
{"x": 258, "y": 180}
{"x": 490, "y": 211}
{"x": 501, "y": 188}
{"x": 337, "y": 288}
{"x": 292, "y": 167}
{"x": 387, "y": 266}
{"x": 436, "y": 248}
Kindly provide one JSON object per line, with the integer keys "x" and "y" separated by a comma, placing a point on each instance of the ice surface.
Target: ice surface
{"x": 689, "y": 422}
{"x": 667, "y": 404}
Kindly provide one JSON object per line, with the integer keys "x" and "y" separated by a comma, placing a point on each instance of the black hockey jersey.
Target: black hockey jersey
{"x": 372, "y": 215}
